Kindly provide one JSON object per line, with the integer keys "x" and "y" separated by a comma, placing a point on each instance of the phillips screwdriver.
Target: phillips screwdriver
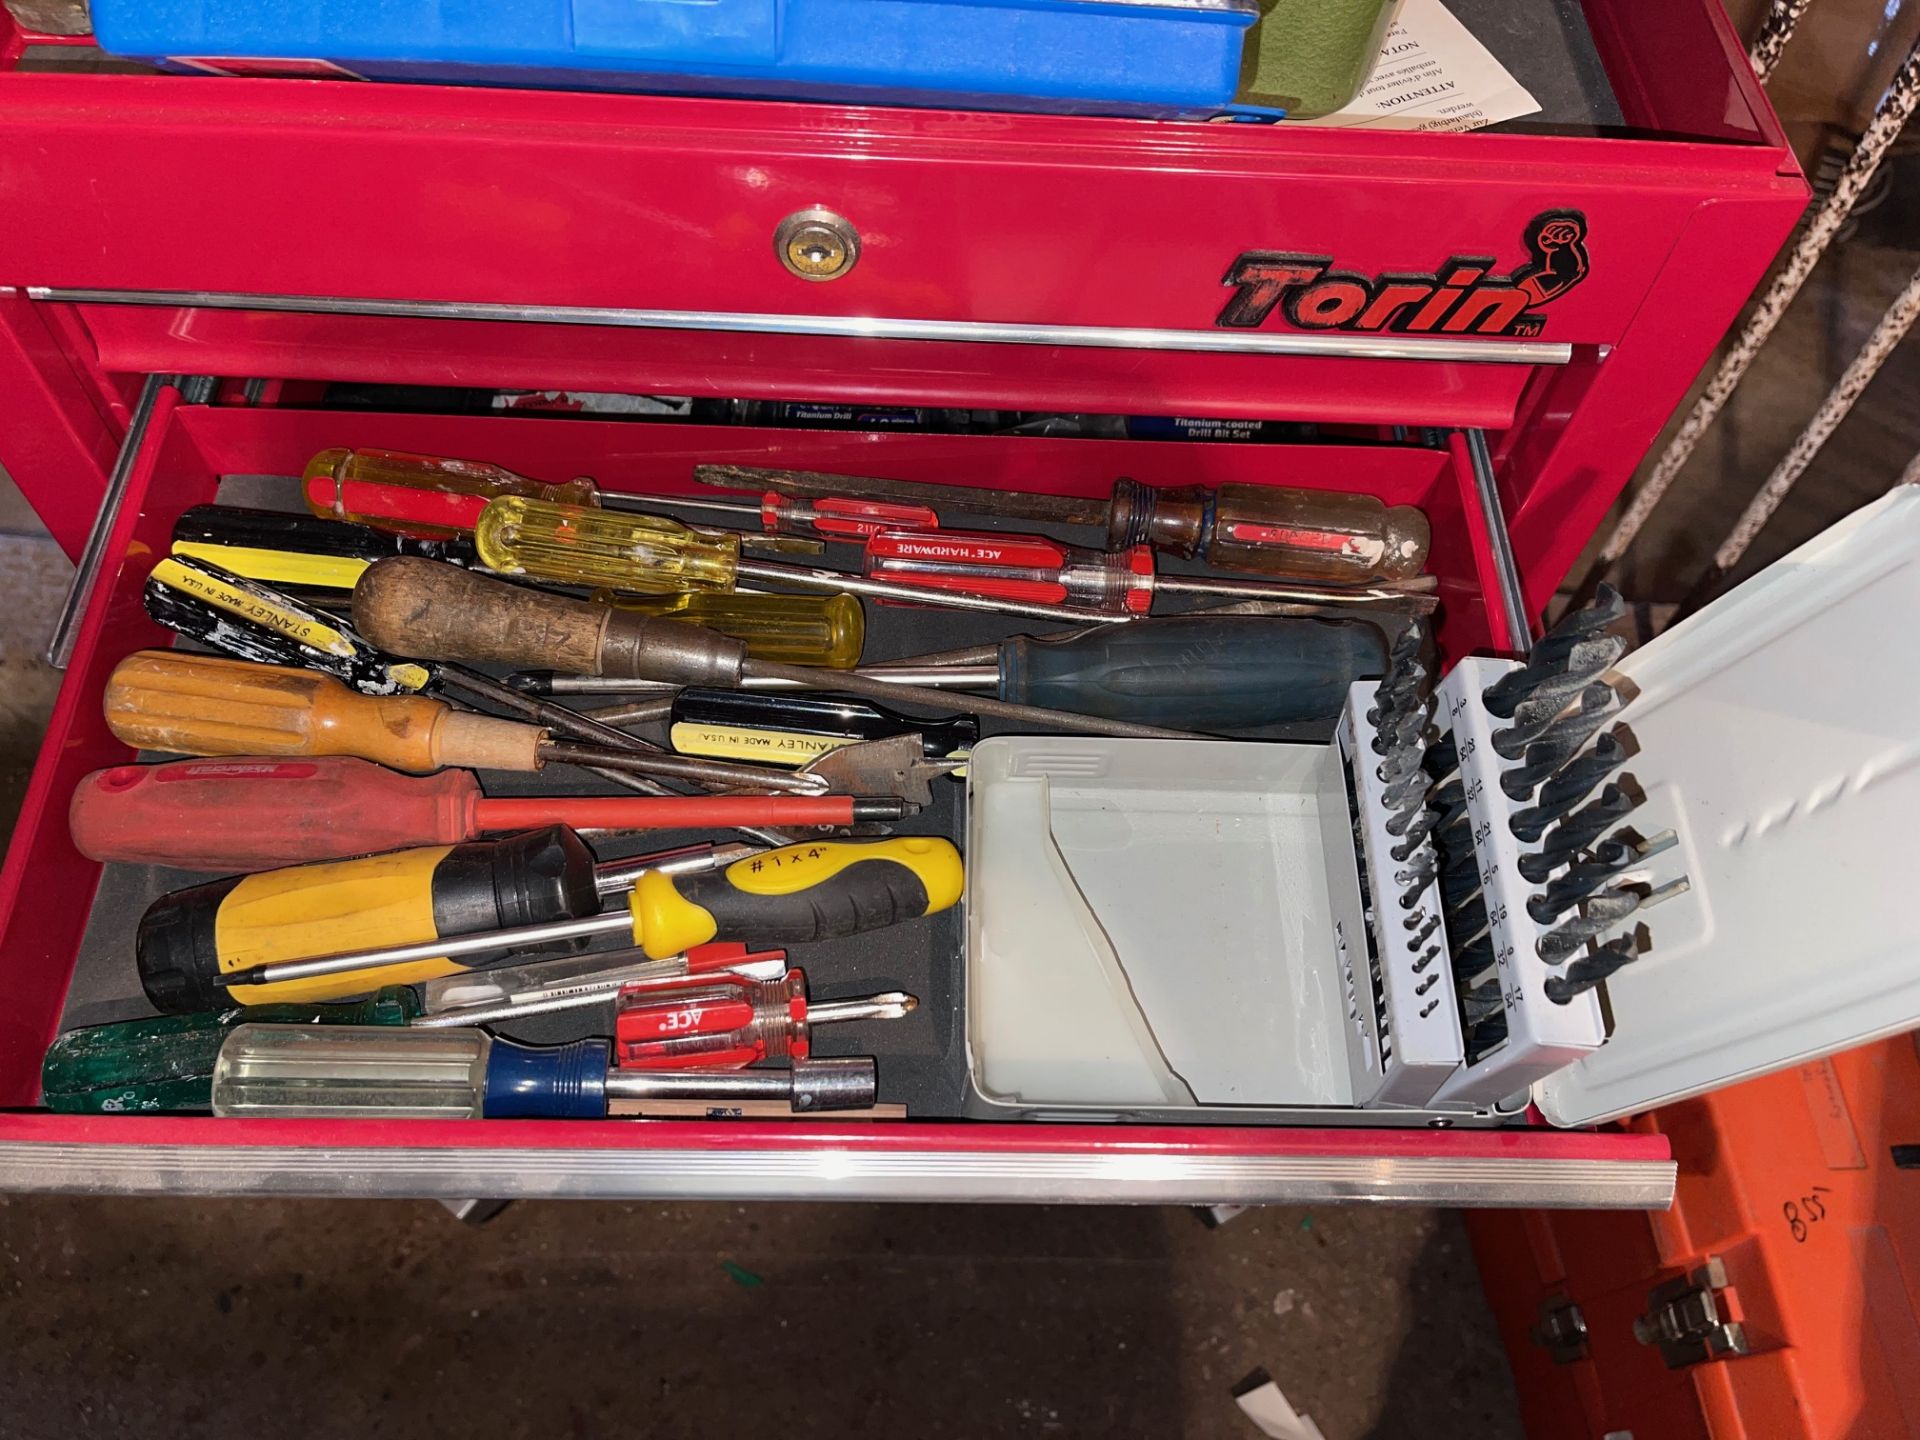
{"x": 1014, "y": 574}
{"x": 1329, "y": 536}
{"x": 419, "y": 607}
{"x": 166, "y": 1063}
{"x": 231, "y": 816}
{"x": 1218, "y": 673}
{"x": 203, "y": 705}
{"x": 506, "y": 993}
{"x": 819, "y": 891}
{"x": 376, "y": 1072}
{"x": 727, "y": 1021}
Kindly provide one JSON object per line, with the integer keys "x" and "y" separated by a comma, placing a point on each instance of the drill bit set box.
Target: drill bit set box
{"x": 1446, "y": 914}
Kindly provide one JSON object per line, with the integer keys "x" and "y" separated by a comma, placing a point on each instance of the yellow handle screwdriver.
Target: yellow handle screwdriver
{"x": 790, "y": 896}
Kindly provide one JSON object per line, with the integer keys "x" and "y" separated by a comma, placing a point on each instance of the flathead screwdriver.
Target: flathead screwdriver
{"x": 420, "y": 607}
{"x": 1193, "y": 672}
{"x": 202, "y": 705}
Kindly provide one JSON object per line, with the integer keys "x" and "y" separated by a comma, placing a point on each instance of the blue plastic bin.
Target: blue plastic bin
{"x": 1153, "y": 57}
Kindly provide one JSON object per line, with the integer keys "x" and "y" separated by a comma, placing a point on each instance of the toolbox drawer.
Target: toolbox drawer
{"x": 189, "y": 447}
{"x": 431, "y": 235}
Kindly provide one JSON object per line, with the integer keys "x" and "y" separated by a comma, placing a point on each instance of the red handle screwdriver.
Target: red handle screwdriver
{"x": 1014, "y": 567}
{"x": 231, "y": 816}
{"x": 724, "y": 1022}
{"x": 826, "y": 517}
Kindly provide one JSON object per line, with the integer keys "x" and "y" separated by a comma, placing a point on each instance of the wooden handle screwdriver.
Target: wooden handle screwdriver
{"x": 425, "y": 608}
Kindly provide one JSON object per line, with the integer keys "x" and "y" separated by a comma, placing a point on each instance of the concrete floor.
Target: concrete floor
{"x": 264, "y": 1318}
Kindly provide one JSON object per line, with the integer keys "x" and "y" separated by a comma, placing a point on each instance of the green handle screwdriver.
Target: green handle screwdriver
{"x": 165, "y": 1064}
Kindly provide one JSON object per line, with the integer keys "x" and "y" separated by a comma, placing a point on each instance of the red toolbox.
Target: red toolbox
{"x": 1556, "y": 292}
{"x": 1777, "y": 1298}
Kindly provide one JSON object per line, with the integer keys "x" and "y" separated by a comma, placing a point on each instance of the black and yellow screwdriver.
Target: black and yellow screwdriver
{"x": 792, "y": 895}
{"x": 190, "y": 939}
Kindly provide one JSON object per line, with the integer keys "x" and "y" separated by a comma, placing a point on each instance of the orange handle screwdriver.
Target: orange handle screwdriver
{"x": 202, "y": 705}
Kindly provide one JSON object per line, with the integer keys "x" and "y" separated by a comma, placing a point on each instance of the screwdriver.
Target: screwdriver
{"x": 191, "y": 941}
{"x": 729, "y": 1021}
{"x": 824, "y": 890}
{"x": 1330, "y": 536}
{"x": 252, "y": 621}
{"x": 542, "y": 987}
{"x": 828, "y": 517}
{"x": 244, "y": 815}
{"x": 793, "y": 729}
{"x": 824, "y": 630}
{"x": 166, "y": 1063}
{"x": 1226, "y": 673}
{"x": 203, "y": 705}
{"x": 418, "y": 607}
{"x": 370, "y": 1071}
{"x": 1015, "y": 574}
{"x": 446, "y": 495}
{"x": 303, "y": 550}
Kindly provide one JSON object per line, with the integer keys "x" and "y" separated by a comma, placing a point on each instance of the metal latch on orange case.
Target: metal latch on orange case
{"x": 1684, "y": 1319}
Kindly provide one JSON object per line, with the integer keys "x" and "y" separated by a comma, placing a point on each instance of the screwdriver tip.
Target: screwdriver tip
{"x": 530, "y": 682}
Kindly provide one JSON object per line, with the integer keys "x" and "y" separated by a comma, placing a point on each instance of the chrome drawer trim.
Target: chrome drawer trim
{"x": 980, "y": 332}
{"x": 815, "y": 1173}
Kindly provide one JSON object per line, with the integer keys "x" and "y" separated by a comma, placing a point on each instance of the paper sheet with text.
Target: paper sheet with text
{"x": 1433, "y": 75}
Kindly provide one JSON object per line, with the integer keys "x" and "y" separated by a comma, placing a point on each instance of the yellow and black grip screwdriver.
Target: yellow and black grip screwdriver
{"x": 789, "y": 896}
{"x": 192, "y": 941}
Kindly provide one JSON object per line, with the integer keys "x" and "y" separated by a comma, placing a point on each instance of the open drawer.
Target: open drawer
{"x": 1731, "y": 993}
{"x": 188, "y": 450}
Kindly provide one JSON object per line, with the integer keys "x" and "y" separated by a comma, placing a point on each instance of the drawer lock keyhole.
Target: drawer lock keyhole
{"x": 817, "y": 244}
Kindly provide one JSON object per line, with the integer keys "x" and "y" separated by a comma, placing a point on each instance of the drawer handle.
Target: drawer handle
{"x": 979, "y": 332}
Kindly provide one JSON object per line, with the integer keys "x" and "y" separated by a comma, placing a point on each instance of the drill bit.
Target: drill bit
{"x": 1426, "y": 934}
{"x": 1598, "y": 702}
{"x": 1416, "y": 878}
{"x": 1575, "y": 833}
{"x": 1604, "y": 910}
{"x": 1488, "y": 1034}
{"x": 1580, "y": 880}
{"x": 1589, "y": 970}
{"x": 1552, "y": 651}
{"x": 1574, "y": 782}
{"x": 1401, "y": 762}
{"x": 1443, "y": 756}
{"x": 1533, "y": 715}
{"x": 1432, "y": 954}
{"x": 1480, "y": 1002}
{"x": 1418, "y": 823}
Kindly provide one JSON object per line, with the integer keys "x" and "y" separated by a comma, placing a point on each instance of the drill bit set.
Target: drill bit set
{"x": 1501, "y": 881}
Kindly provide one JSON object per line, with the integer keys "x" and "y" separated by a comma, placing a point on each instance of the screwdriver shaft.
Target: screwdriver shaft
{"x": 857, "y": 684}
{"x": 685, "y": 767}
{"x": 450, "y": 947}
